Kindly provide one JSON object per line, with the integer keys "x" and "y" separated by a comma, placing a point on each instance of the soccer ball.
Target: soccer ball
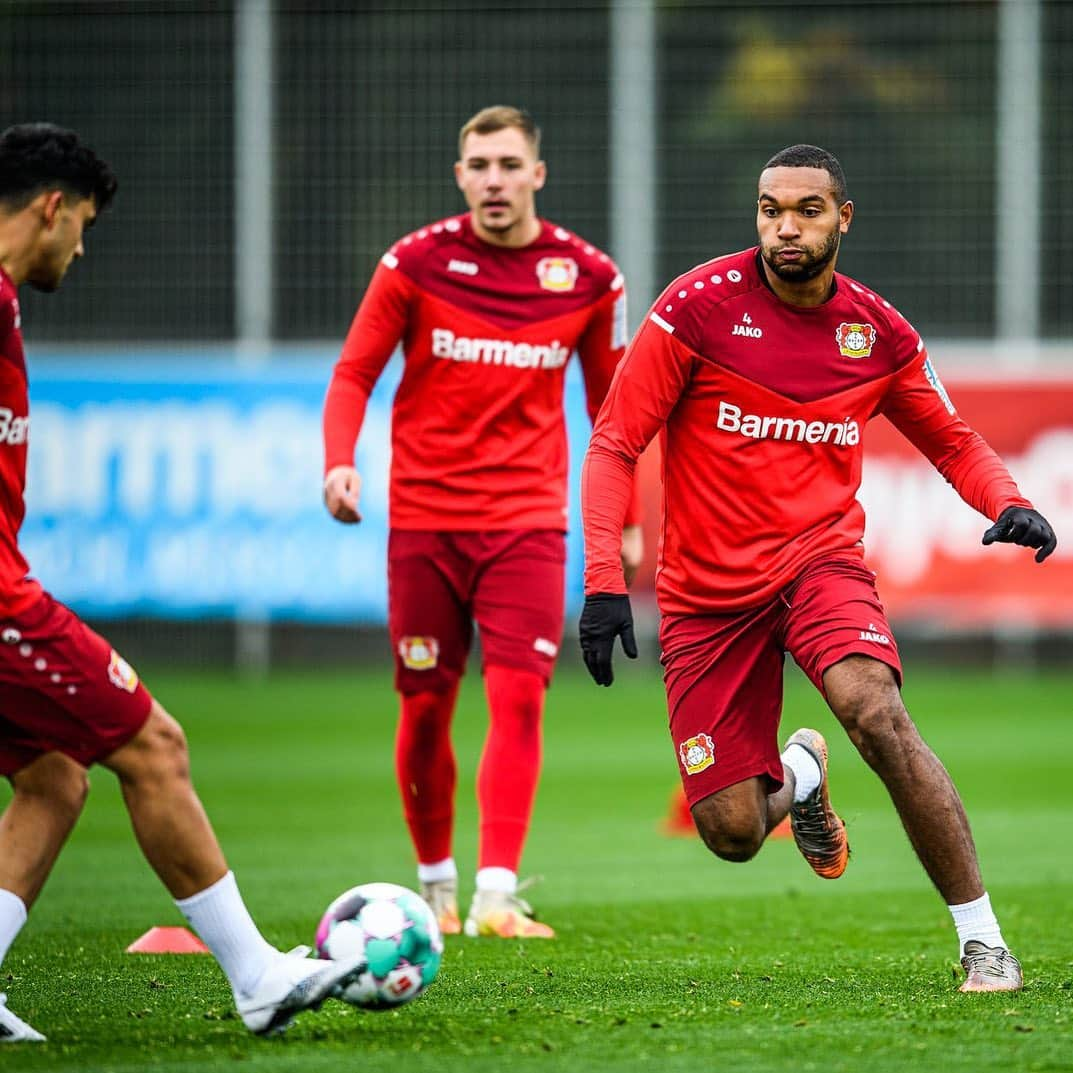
{"x": 398, "y": 934}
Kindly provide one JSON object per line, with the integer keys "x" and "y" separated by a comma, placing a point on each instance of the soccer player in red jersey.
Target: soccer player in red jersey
{"x": 760, "y": 370}
{"x": 67, "y": 698}
{"x": 488, "y": 306}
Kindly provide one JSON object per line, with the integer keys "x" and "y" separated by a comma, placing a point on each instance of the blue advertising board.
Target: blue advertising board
{"x": 183, "y": 484}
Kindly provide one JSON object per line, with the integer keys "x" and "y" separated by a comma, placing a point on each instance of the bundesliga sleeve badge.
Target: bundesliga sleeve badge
{"x": 697, "y": 753}
{"x": 557, "y": 273}
{"x": 855, "y": 340}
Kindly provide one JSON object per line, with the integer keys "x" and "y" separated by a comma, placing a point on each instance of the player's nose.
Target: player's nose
{"x": 788, "y": 227}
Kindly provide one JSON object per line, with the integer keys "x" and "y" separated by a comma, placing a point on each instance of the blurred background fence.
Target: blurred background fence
{"x": 268, "y": 153}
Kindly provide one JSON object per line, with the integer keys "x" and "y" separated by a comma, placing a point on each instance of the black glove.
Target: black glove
{"x": 1019, "y": 525}
{"x": 604, "y": 617}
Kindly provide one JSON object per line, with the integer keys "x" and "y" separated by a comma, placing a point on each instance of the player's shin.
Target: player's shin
{"x": 427, "y": 772}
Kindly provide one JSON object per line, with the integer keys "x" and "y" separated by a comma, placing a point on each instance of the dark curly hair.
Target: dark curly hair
{"x": 43, "y": 156}
{"x": 812, "y": 156}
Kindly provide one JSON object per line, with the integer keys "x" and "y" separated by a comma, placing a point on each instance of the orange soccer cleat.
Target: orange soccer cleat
{"x": 504, "y": 916}
{"x": 818, "y": 830}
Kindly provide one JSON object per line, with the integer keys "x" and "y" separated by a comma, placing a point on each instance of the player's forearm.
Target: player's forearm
{"x": 344, "y": 413}
{"x": 980, "y": 477}
{"x": 607, "y": 480}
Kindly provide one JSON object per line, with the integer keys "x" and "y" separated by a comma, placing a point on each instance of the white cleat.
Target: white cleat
{"x": 292, "y": 983}
{"x": 13, "y": 1029}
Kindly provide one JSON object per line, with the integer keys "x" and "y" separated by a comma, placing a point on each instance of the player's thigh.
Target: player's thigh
{"x": 63, "y": 688}
{"x": 518, "y": 599}
{"x": 428, "y": 615}
{"x": 723, "y": 676}
{"x": 834, "y": 613}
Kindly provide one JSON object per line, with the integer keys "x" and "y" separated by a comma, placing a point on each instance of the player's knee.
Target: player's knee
{"x": 157, "y": 752}
{"x": 878, "y": 727}
{"x": 729, "y": 838}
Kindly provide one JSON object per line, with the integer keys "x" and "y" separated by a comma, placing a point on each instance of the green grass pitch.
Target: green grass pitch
{"x": 667, "y": 959}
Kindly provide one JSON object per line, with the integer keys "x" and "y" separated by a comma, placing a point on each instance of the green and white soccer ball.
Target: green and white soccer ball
{"x": 398, "y": 935}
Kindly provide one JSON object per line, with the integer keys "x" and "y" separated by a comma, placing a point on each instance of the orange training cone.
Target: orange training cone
{"x": 168, "y": 941}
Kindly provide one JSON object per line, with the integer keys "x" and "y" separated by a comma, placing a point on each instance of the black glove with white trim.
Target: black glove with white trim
{"x": 1019, "y": 525}
{"x": 604, "y": 617}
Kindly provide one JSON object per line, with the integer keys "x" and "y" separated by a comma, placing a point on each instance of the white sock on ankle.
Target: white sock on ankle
{"x": 502, "y": 880}
{"x": 437, "y": 871}
{"x": 12, "y": 918}
{"x": 219, "y": 915}
{"x": 807, "y": 774}
{"x": 976, "y": 920}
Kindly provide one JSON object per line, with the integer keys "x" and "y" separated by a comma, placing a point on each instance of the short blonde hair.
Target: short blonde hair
{"x": 500, "y": 117}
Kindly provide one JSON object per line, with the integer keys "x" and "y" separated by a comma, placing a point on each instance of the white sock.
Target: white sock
{"x": 437, "y": 871}
{"x": 807, "y": 774}
{"x": 12, "y": 918}
{"x": 502, "y": 880}
{"x": 976, "y": 920}
{"x": 219, "y": 915}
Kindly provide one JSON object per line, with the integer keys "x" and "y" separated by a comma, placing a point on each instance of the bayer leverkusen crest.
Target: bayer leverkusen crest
{"x": 855, "y": 340}
{"x": 697, "y": 753}
{"x": 121, "y": 674}
{"x": 557, "y": 273}
{"x": 419, "y": 653}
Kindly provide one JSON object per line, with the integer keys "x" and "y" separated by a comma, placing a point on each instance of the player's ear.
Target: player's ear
{"x": 845, "y": 216}
{"x": 458, "y": 174}
{"x": 49, "y": 203}
{"x": 540, "y": 175}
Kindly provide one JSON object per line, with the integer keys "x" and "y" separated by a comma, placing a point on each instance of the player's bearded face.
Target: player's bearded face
{"x": 810, "y": 260}
{"x": 800, "y": 222}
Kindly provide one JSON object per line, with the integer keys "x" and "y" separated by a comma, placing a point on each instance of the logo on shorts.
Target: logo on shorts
{"x": 855, "y": 340}
{"x": 121, "y": 674}
{"x": 557, "y": 273}
{"x": 419, "y": 653}
{"x": 873, "y": 634}
{"x": 697, "y": 753}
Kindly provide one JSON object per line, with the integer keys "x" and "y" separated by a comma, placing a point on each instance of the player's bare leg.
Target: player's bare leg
{"x": 49, "y": 794}
{"x": 865, "y": 698}
{"x": 169, "y": 820}
{"x": 734, "y": 822}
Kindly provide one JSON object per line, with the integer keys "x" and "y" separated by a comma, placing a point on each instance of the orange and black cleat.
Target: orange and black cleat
{"x": 818, "y": 830}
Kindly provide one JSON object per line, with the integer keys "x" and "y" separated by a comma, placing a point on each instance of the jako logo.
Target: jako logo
{"x": 745, "y": 328}
{"x": 871, "y": 634}
{"x": 847, "y": 433}
{"x": 467, "y": 268}
{"x": 445, "y": 344}
{"x": 13, "y": 430}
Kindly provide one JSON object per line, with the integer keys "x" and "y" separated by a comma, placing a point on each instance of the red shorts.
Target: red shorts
{"x": 723, "y": 673}
{"x": 63, "y": 688}
{"x": 510, "y": 581}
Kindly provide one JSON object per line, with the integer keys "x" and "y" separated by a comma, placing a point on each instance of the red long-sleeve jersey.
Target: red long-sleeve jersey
{"x": 17, "y": 591}
{"x": 478, "y": 437}
{"x": 762, "y": 407}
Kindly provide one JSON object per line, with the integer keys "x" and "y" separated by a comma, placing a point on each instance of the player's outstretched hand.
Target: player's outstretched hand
{"x": 342, "y": 486}
{"x": 604, "y": 617}
{"x": 1019, "y": 525}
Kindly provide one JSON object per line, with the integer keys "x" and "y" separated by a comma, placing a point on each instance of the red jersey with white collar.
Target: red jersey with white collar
{"x": 478, "y": 437}
{"x": 762, "y": 408}
{"x": 17, "y": 591}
